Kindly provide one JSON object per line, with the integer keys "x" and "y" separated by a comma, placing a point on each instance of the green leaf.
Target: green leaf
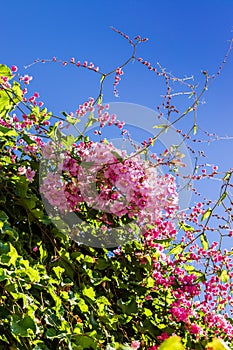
{"x": 186, "y": 227}
{"x": 57, "y": 300}
{"x": 72, "y": 120}
{"x": 165, "y": 240}
{"x": 189, "y": 268}
{"x": 58, "y": 271}
{"x": 27, "y": 139}
{"x": 51, "y": 333}
{"x": 83, "y": 306}
{"x": 4, "y": 248}
{"x": 102, "y": 78}
{"x": 150, "y": 282}
{"x": 129, "y": 307}
{"x": 103, "y": 300}
{"x": 17, "y": 296}
{"x": 43, "y": 253}
{"x": 194, "y": 129}
{"x": 176, "y": 250}
{"x": 3, "y": 216}
{"x": 6, "y": 229}
{"x": 3, "y": 275}
{"x": 17, "y": 92}
{"x": 40, "y": 345}
{"x": 223, "y": 196}
{"x": 5, "y": 71}
{"x": 86, "y": 342}
{"x": 204, "y": 242}
{"x": 117, "y": 156}
{"x": 4, "y": 339}
{"x": 90, "y": 121}
{"x": 68, "y": 141}
{"x": 89, "y": 292}
{"x": 30, "y": 202}
{"x": 33, "y": 274}
{"x": 206, "y": 214}
{"x": 160, "y": 126}
{"x": 227, "y": 176}
{"x": 89, "y": 259}
{"x": 10, "y": 256}
{"x": 147, "y": 312}
{"x": 224, "y": 277}
{"x": 217, "y": 344}
{"x": 172, "y": 343}
{"x": 100, "y": 99}
{"x": 69, "y": 119}
{"x": 53, "y": 131}
{"x": 7, "y": 131}
{"x": 23, "y": 328}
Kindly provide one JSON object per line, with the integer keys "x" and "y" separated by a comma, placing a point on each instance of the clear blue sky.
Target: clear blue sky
{"x": 184, "y": 36}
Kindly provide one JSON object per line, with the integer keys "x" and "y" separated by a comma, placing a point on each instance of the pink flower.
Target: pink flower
{"x": 135, "y": 344}
{"x": 30, "y": 174}
{"x": 163, "y": 336}
{"x": 26, "y": 79}
{"x": 14, "y": 69}
{"x": 195, "y": 329}
{"x": 21, "y": 170}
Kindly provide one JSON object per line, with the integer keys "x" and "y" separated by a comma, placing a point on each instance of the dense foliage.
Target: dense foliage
{"x": 161, "y": 286}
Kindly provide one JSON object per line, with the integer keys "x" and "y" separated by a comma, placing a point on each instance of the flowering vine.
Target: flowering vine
{"x": 166, "y": 285}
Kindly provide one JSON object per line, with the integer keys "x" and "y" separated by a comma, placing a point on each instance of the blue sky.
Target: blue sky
{"x": 184, "y": 36}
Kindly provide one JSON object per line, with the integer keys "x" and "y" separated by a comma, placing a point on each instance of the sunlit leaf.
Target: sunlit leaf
{"x": 223, "y": 196}
{"x": 5, "y": 71}
{"x": 217, "y": 344}
{"x": 206, "y": 214}
{"x": 172, "y": 343}
{"x": 224, "y": 277}
{"x": 186, "y": 227}
{"x": 204, "y": 241}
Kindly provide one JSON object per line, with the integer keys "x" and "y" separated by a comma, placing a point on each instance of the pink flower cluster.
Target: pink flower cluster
{"x": 86, "y": 107}
{"x": 195, "y": 304}
{"x": 105, "y": 179}
{"x": 135, "y": 344}
{"x": 117, "y": 79}
{"x": 105, "y": 118}
{"x": 28, "y": 172}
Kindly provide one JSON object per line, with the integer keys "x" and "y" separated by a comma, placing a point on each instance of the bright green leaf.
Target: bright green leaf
{"x": 217, "y": 344}
{"x": 206, "y": 214}
{"x": 5, "y": 71}
{"x": 224, "y": 276}
{"x": 186, "y": 227}
{"x": 172, "y": 343}
{"x": 204, "y": 242}
{"x": 89, "y": 292}
{"x": 223, "y": 196}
